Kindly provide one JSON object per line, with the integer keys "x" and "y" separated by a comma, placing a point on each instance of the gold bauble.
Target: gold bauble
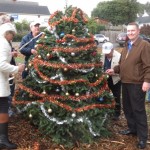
{"x": 49, "y": 110}
{"x": 36, "y": 45}
{"x": 67, "y": 94}
{"x": 77, "y": 94}
{"x": 30, "y": 65}
{"x": 30, "y": 115}
{"x": 65, "y": 69}
{"x": 44, "y": 92}
{"x": 48, "y": 55}
{"x": 73, "y": 30}
{"x": 30, "y": 95}
{"x": 39, "y": 56}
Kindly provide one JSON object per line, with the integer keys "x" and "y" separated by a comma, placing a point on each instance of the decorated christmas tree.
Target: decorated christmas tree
{"x": 66, "y": 93}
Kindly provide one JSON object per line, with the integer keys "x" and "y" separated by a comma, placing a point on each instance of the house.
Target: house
{"x": 143, "y": 19}
{"x": 23, "y": 10}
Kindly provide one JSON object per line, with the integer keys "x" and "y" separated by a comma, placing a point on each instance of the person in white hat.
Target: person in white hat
{"x": 5, "y": 18}
{"x": 110, "y": 58}
{"x": 7, "y": 33}
{"x": 29, "y": 41}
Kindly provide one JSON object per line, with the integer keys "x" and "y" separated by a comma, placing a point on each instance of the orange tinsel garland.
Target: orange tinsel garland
{"x": 37, "y": 62}
{"x": 69, "y": 19}
{"x": 53, "y": 99}
{"x": 69, "y": 97}
{"x": 67, "y": 49}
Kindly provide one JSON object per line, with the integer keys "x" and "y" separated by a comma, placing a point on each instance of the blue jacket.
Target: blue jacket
{"x": 26, "y": 51}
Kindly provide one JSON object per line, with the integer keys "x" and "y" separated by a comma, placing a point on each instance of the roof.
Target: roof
{"x": 23, "y": 7}
{"x": 143, "y": 20}
{"x": 102, "y": 21}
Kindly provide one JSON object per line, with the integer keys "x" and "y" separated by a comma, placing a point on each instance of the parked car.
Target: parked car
{"x": 100, "y": 38}
{"x": 121, "y": 38}
{"x": 144, "y": 37}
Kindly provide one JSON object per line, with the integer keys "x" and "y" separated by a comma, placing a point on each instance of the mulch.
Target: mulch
{"x": 27, "y": 137}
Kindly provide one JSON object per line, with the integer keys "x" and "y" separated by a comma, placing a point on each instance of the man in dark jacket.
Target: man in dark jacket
{"x": 27, "y": 45}
{"x": 134, "y": 69}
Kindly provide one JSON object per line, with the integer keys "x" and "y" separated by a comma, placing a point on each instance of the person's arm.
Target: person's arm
{"x": 146, "y": 66}
{"x": 5, "y": 66}
{"x": 115, "y": 70}
{"x": 27, "y": 49}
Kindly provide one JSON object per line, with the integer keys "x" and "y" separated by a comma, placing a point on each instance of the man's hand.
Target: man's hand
{"x": 14, "y": 54}
{"x": 146, "y": 86}
{"x": 33, "y": 51}
{"x": 21, "y": 67}
{"x": 109, "y": 71}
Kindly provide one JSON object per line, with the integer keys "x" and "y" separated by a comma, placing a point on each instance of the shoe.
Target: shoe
{"x": 5, "y": 143}
{"x": 141, "y": 144}
{"x": 127, "y": 132}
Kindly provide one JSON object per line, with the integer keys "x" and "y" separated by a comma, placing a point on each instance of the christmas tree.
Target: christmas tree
{"x": 66, "y": 93}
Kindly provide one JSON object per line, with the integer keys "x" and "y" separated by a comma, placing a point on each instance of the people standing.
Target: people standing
{"x": 134, "y": 69}
{"x": 7, "y": 32}
{"x": 4, "y": 18}
{"x": 111, "y": 58}
{"x": 29, "y": 41}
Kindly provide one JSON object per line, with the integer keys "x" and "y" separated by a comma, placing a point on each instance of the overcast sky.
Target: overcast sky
{"x": 86, "y": 5}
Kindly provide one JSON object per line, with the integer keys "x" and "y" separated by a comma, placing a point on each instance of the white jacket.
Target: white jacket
{"x": 114, "y": 62}
{"x": 5, "y": 67}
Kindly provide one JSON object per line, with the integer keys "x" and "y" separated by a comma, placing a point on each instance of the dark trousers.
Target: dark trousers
{"x": 4, "y": 105}
{"x": 134, "y": 109}
{"x": 116, "y": 90}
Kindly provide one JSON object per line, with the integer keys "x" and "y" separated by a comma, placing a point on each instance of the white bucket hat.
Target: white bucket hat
{"x": 7, "y": 27}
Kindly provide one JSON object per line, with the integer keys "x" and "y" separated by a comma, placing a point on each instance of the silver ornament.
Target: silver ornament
{"x": 57, "y": 90}
{"x": 69, "y": 44}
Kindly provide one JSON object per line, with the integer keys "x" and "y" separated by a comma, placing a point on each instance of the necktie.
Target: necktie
{"x": 129, "y": 46}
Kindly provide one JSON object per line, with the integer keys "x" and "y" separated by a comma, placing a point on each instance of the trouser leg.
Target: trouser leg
{"x": 4, "y": 118}
{"x": 135, "y": 112}
{"x": 116, "y": 90}
{"x": 127, "y": 107}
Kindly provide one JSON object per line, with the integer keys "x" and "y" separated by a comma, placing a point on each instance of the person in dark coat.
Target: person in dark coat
{"x": 31, "y": 39}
